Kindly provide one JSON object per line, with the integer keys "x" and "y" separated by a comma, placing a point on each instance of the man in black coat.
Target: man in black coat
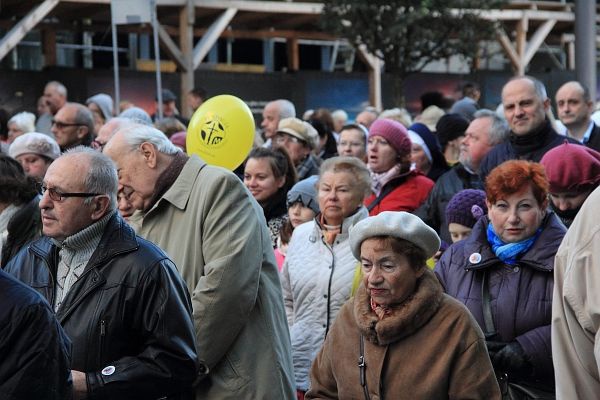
{"x": 531, "y": 134}
{"x": 34, "y": 349}
{"x": 118, "y": 297}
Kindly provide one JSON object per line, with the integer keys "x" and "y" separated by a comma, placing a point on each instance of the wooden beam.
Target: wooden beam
{"x": 537, "y": 39}
{"x": 293, "y": 54}
{"x": 186, "y": 43}
{"x": 171, "y": 48}
{"x": 49, "y": 47}
{"x": 375, "y": 66}
{"x": 18, "y": 32}
{"x": 508, "y": 48}
{"x": 280, "y": 7}
{"x": 211, "y": 36}
{"x": 521, "y": 39}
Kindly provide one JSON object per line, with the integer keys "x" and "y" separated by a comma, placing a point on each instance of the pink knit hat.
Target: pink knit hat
{"x": 572, "y": 168}
{"x": 394, "y": 132}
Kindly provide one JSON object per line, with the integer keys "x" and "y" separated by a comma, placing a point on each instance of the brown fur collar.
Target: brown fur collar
{"x": 405, "y": 319}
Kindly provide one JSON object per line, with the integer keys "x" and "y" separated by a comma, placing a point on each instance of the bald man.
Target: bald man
{"x": 575, "y": 108}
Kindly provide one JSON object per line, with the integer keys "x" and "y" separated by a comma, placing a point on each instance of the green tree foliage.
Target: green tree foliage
{"x": 409, "y": 34}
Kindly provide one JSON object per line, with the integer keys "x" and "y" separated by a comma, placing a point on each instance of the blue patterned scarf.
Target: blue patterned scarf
{"x": 508, "y": 252}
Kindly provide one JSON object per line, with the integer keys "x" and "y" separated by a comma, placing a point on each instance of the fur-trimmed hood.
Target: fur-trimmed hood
{"x": 405, "y": 319}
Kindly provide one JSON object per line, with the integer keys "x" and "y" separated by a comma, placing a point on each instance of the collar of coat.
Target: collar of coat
{"x": 405, "y": 318}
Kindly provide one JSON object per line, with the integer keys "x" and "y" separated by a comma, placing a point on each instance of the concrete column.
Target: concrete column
{"x": 585, "y": 44}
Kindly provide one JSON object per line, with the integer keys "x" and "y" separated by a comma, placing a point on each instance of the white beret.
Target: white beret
{"x": 398, "y": 224}
{"x": 36, "y": 143}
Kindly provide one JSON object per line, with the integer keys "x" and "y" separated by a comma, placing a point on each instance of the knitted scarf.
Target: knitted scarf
{"x": 378, "y": 181}
{"x": 329, "y": 231}
{"x": 509, "y": 252}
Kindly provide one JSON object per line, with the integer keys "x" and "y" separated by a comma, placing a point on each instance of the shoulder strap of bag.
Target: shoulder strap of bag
{"x": 386, "y": 190}
{"x": 490, "y": 329}
{"x": 362, "y": 367}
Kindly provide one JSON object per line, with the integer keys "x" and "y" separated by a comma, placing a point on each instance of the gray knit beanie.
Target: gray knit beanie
{"x": 104, "y": 102}
{"x": 306, "y": 193}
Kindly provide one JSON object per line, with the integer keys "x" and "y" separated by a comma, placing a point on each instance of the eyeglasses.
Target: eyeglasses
{"x": 282, "y": 138}
{"x": 57, "y": 195}
{"x": 351, "y": 144}
{"x": 62, "y": 125}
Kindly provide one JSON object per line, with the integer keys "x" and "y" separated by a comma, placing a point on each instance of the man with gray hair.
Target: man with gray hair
{"x": 274, "y": 112}
{"x": 73, "y": 125}
{"x": 55, "y": 97}
{"x": 118, "y": 297}
{"x": 525, "y": 103}
{"x": 485, "y": 131}
{"x": 216, "y": 233}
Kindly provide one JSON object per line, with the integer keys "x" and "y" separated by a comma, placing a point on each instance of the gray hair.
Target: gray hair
{"x": 286, "y": 108}
{"x": 101, "y": 176}
{"x": 499, "y": 129}
{"x": 539, "y": 87}
{"x": 362, "y": 177}
{"x": 25, "y": 121}
{"x": 84, "y": 116}
{"x": 137, "y": 115}
{"x": 59, "y": 87}
{"x": 136, "y": 134}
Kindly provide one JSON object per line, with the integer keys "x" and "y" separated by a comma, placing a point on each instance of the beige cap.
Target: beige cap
{"x": 398, "y": 224}
{"x": 299, "y": 129}
{"x": 36, "y": 143}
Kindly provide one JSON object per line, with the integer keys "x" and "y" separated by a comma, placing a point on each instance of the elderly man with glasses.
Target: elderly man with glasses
{"x": 73, "y": 125}
{"x": 118, "y": 297}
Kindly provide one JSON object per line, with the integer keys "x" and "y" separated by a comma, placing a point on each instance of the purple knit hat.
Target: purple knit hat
{"x": 466, "y": 207}
{"x": 394, "y": 132}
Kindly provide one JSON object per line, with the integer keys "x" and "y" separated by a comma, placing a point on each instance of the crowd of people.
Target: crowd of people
{"x": 449, "y": 254}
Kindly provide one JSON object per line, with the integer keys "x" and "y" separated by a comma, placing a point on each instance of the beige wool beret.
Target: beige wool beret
{"x": 398, "y": 224}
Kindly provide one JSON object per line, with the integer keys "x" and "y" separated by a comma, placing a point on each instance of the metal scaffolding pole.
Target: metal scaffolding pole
{"x": 585, "y": 44}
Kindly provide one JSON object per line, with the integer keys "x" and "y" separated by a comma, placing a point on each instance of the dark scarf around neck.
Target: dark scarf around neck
{"x": 168, "y": 177}
{"x": 524, "y": 144}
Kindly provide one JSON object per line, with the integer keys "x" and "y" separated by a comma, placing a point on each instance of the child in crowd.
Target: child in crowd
{"x": 463, "y": 210}
{"x": 302, "y": 206}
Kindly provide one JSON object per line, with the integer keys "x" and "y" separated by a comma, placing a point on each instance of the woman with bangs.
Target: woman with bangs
{"x": 503, "y": 273}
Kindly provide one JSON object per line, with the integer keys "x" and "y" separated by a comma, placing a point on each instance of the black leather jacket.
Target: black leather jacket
{"x": 128, "y": 315}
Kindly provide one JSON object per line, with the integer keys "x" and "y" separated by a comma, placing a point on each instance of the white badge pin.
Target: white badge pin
{"x": 107, "y": 371}
{"x": 475, "y": 258}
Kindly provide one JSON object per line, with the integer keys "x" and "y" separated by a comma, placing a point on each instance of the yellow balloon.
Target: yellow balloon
{"x": 221, "y": 131}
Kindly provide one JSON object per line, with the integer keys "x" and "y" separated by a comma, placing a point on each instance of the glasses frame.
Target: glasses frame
{"x": 62, "y": 125}
{"x": 57, "y": 195}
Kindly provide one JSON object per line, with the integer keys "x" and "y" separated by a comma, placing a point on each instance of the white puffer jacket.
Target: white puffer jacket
{"x": 316, "y": 281}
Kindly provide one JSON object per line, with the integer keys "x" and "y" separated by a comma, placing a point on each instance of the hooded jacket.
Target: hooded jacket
{"x": 428, "y": 348}
{"x": 128, "y": 315}
{"x": 520, "y": 295}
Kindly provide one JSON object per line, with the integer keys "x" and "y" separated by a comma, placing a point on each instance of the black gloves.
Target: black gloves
{"x": 509, "y": 357}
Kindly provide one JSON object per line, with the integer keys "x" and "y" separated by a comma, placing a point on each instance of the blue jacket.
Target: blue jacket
{"x": 520, "y": 295}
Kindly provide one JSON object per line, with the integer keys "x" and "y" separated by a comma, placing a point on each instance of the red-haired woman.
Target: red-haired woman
{"x": 503, "y": 273}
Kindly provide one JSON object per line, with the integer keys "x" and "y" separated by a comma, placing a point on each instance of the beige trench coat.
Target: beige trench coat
{"x": 215, "y": 232}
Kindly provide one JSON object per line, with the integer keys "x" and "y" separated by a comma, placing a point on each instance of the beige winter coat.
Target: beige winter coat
{"x": 576, "y": 307}
{"x": 215, "y": 232}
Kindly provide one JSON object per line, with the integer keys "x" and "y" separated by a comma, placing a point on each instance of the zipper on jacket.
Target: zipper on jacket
{"x": 102, "y": 337}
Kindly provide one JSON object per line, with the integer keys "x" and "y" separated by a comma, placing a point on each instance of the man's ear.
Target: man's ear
{"x": 150, "y": 154}
{"x": 100, "y": 206}
{"x": 547, "y": 103}
{"x": 82, "y": 132}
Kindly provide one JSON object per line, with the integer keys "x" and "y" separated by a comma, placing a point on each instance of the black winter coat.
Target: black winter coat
{"x": 128, "y": 315}
{"x": 530, "y": 147}
{"x": 34, "y": 349}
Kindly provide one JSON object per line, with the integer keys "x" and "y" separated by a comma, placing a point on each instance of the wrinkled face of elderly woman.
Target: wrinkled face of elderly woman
{"x": 387, "y": 275}
{"x": 339, "y": 196}
{"x": 517, "y": 216}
